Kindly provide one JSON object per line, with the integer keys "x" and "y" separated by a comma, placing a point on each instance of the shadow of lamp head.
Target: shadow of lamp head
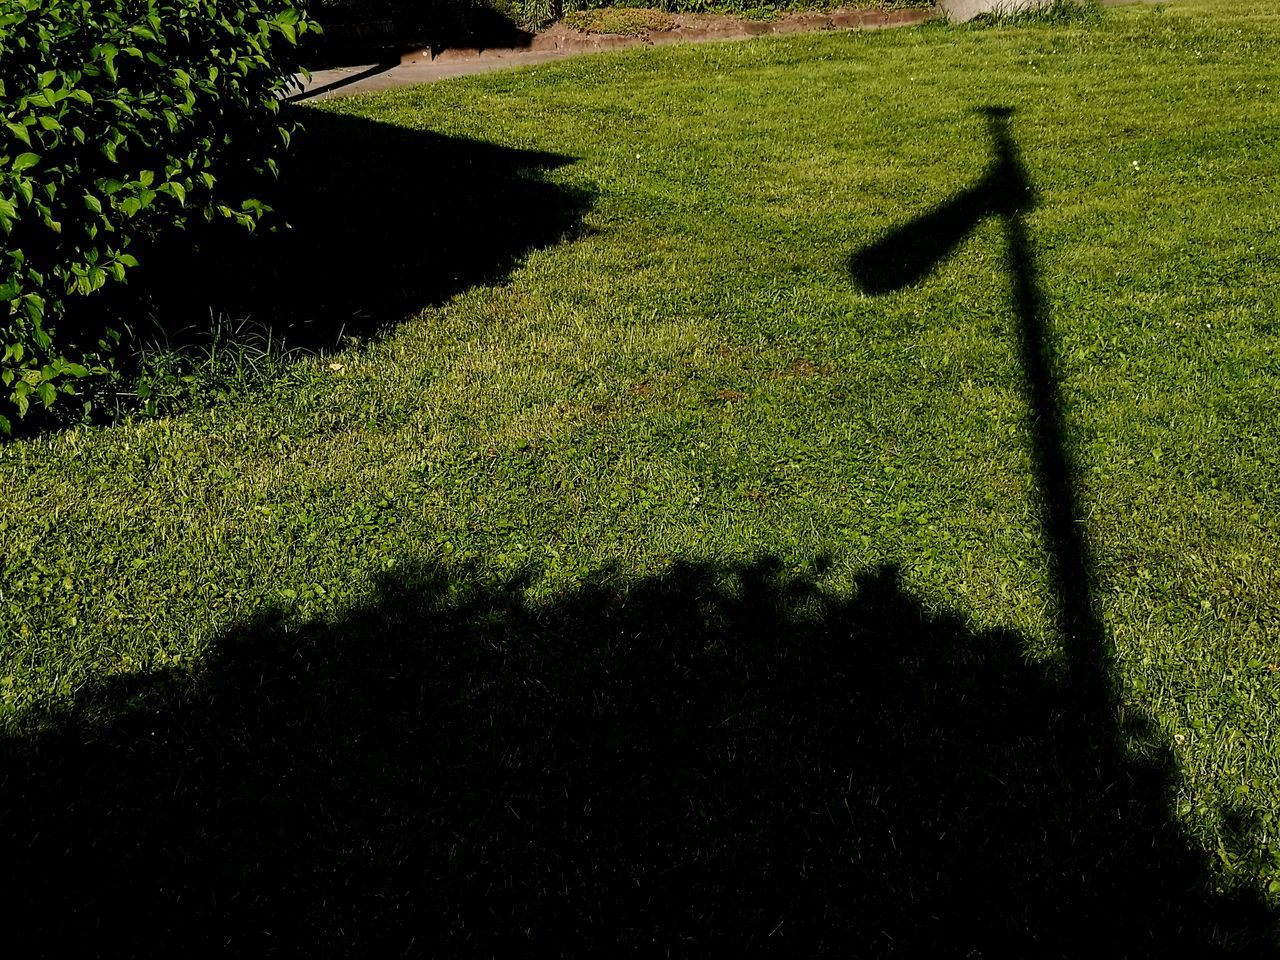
{"x": 909, "y": 253}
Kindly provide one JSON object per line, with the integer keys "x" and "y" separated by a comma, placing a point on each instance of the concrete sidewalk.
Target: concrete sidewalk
{"x": 560, "y": 42}
{"x": 372, "y": 77}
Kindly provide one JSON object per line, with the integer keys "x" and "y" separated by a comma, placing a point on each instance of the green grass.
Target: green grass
{"x": 692, "y": 377}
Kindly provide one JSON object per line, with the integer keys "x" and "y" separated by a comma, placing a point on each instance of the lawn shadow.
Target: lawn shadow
{"x": 384, "y": 221}
{"x": 713, "y": 761}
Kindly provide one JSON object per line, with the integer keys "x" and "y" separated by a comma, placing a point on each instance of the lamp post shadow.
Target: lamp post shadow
{"x": 905, "y": 257}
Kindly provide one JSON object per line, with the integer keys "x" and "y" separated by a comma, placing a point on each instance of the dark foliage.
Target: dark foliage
{"x": 120, "y": 123}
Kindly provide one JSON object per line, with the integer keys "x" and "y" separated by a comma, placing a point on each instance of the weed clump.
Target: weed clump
{"x": 1018, "y": 13}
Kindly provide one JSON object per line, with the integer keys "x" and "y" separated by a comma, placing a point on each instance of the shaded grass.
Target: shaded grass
{"x": 713, "y": 759}
{"x": 694, "y": 376}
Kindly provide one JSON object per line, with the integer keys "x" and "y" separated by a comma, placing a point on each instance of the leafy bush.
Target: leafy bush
{"x": 120, "y": 120}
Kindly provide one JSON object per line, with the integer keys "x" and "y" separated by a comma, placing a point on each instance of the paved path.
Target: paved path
{"x": 558, "y": 43}
{"x": 370, "y": 77}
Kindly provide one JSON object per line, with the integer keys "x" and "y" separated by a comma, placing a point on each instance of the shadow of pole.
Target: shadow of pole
{"x": 905, "y": 257}
{"x": 1088, "y": 652}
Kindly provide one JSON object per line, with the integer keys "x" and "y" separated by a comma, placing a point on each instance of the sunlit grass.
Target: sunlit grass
{"x": 694, "y": 376}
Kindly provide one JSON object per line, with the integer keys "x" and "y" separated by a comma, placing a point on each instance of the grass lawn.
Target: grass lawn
{"x": 656, "y": 583}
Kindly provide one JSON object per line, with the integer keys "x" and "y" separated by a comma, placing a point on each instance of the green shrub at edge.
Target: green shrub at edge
{"x": 120, "y": 120}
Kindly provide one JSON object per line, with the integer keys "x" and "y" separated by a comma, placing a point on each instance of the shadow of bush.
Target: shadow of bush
{"x": 718, "y": 760}
{"x": 384, "y": 221}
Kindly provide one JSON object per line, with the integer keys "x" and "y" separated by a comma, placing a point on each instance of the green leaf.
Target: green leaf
{"x": 47, "y": 393}
{"x": 25, "y": 161}
{"x": 33, "y": 305}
